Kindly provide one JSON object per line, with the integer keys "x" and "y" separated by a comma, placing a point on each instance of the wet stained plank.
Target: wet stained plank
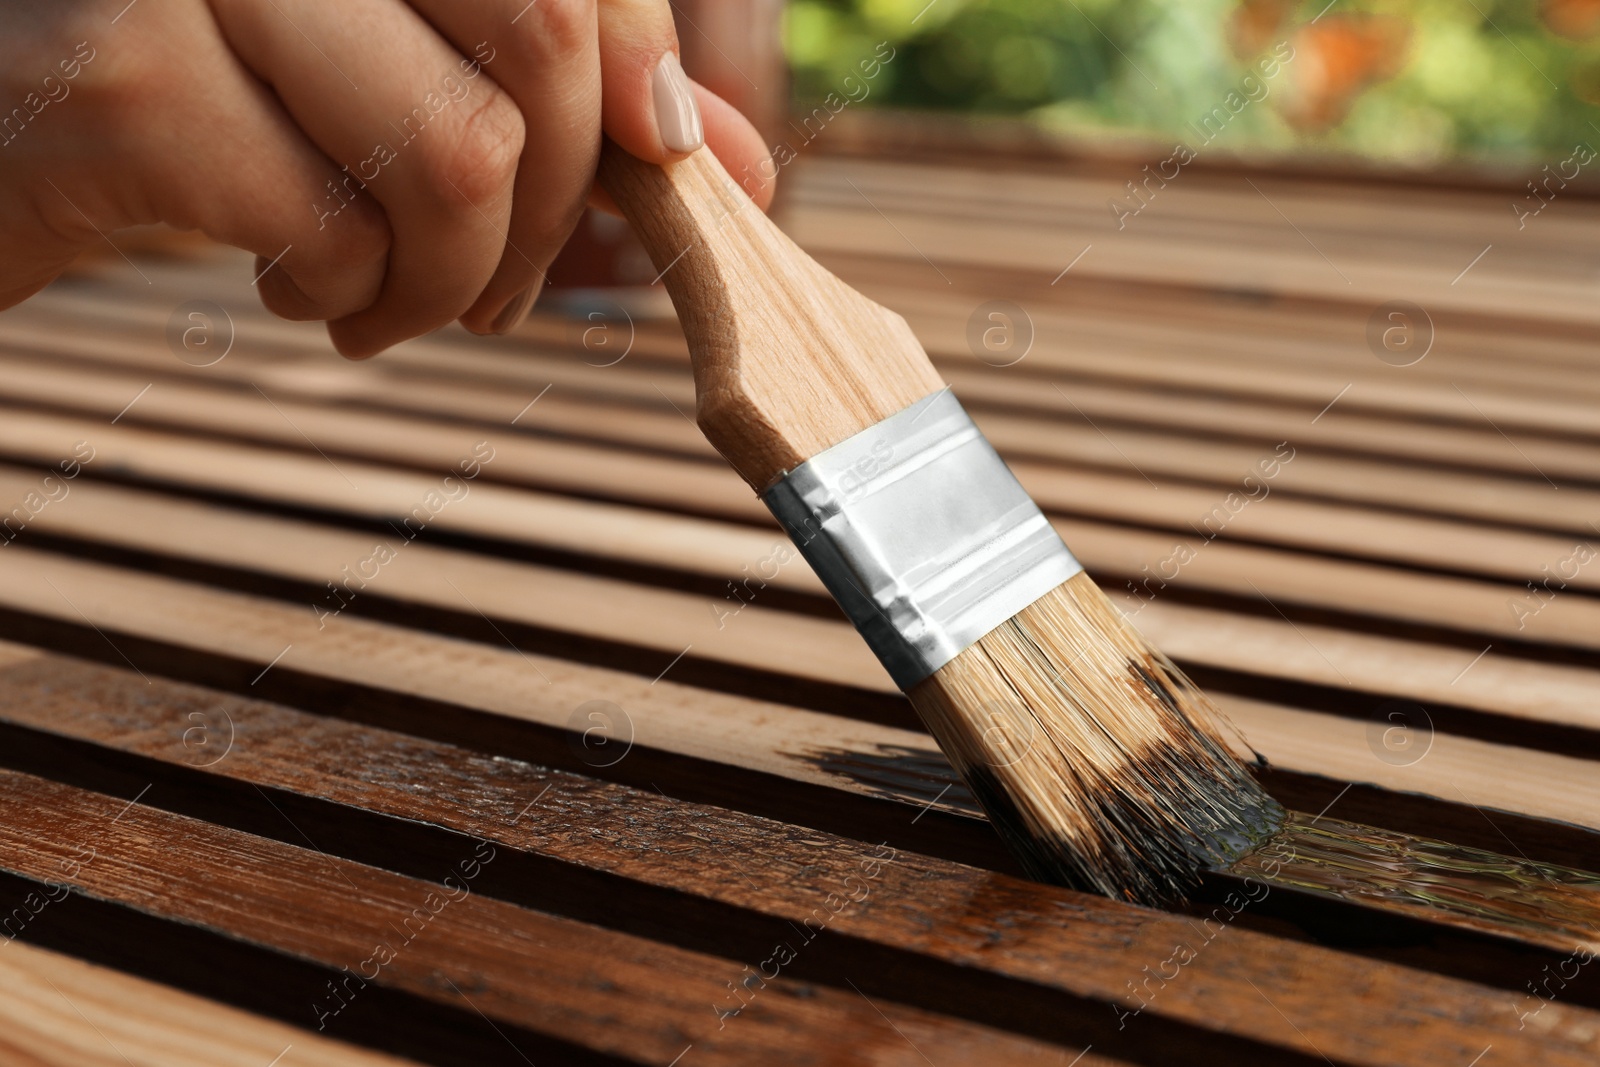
{"x": 899, "y": 925}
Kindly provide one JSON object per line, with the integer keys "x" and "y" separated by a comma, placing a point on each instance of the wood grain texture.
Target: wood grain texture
{"x": 798, "y": 647}
{"x": 788, "y": 360}
{"x": 764, "y": 737}
{"x": 722, "y": 551}
{"x": 664, "y": 482}
{"x": 1386, "y": 243}
{"x": 1165, "y": 364}
{"x": 1191, "y": 434}
{"x": 57, "y": 1011}
{"x": 573, "y": 984}
{"x": 958, "y": 923}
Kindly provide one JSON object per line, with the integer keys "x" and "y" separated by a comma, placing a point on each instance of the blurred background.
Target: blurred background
{"x": 1463, "y": 94}
{"x": 1400, "y": 84}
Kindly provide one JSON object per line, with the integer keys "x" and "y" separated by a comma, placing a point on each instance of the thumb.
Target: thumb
{"x": 647, "y": 104}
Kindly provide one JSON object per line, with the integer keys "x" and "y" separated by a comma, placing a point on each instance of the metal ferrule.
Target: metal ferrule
{"x": 922, "y": 534}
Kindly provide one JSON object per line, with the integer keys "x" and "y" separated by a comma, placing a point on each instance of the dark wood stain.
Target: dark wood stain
{"x": 967, "y": 942}
{"x": 575, "y": 984}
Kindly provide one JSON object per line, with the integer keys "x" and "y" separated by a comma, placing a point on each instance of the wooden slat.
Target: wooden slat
{"x": 1284, "y": 578}
{"x": 527, "y": 687}
{"x": 1151, "y": 448}
{"x": 944, "y": 912}
{"x": 1207, "y": 233}
{"x": 573, "y": 983}
{"x": 716, "y": 550}
{"x": 1326, "y": 655}
{"x": 1129, "y": 498}
{"x": 1066, "y": 344}
{"x": 57, "y": 1011}
{"x": 598, "y": 529}
{"x": 517, "y": 458}
{"x": 753, "y": 635}
{"x": 735, "y": 631}
{"x": 1384, "y": 566}
{"x": 754, "y": 735}
{"x": 1260, "y": 341}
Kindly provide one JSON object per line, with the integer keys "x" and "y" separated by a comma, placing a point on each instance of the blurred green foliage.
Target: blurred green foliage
{"x": 1476, "y": 79}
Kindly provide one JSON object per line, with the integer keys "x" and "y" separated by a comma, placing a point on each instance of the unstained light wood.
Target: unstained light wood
{"x": 788, "y": 360}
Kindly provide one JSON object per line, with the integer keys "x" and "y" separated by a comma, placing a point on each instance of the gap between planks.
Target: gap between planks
{"x": 945, "y": 912}
{"x": 759, "y": 736}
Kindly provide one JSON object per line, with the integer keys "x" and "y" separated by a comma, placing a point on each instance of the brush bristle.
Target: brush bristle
{"x": 1100, "y": 764}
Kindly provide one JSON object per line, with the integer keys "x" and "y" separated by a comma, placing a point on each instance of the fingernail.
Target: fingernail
{"x": 512, "y": 314}
{"x": 677, "y": 113}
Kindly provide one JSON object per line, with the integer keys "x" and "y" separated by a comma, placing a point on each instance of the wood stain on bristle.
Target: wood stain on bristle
{"x": 1101, "y": 765}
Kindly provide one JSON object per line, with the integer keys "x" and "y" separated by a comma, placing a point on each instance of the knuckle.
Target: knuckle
{"x": 482, "y": 160}
{"x": 555, "y": 28}
{"x": 554, "y": 224}
{"x": 359, "y": 240}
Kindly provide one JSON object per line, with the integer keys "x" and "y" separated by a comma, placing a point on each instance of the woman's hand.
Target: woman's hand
{"x": 394, "y": 164}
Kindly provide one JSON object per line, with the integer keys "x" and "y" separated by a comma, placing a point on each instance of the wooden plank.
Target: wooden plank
{"x": 597, "y": 530}
{"x": 1203, "y": 235}
{"x": 1198, "y": 404}
{"x": 640, "y": 405}
{"x": 274, "y": 342}
{"x": 943, "y": 913}
{"x": 1068, "y": 346}
{"x": 1109, "y": 352}
{"x": 573, "y": 984}
{"x": 1248, "y": 513}
{"x": 56, "y": 1011}
{"x": 751, "y": 635}
{"x": 1482, "y": 496}
{"x": 1266, "y": 336}
{"x": 1285, "y": 580}
{"x": 1127, "y": 498}
{"x": 757, "y": 736}
{"x": 1142, "y": 453}
{"x": 1326, "y": 655}
{"x": 670, "y": 484}
{"x": 733, "y": 630}
{"x": 1239, "y": 330}
{"x": 1459, "y": 769}
{"x": 504, "y": 681}
{"x": 1474, "y": 445}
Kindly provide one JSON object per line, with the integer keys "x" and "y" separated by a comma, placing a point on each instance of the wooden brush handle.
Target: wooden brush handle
{"x": 788, "y": 360}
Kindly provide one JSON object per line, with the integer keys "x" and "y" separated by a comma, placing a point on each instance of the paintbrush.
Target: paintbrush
{"x": 1100, "y": 764}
